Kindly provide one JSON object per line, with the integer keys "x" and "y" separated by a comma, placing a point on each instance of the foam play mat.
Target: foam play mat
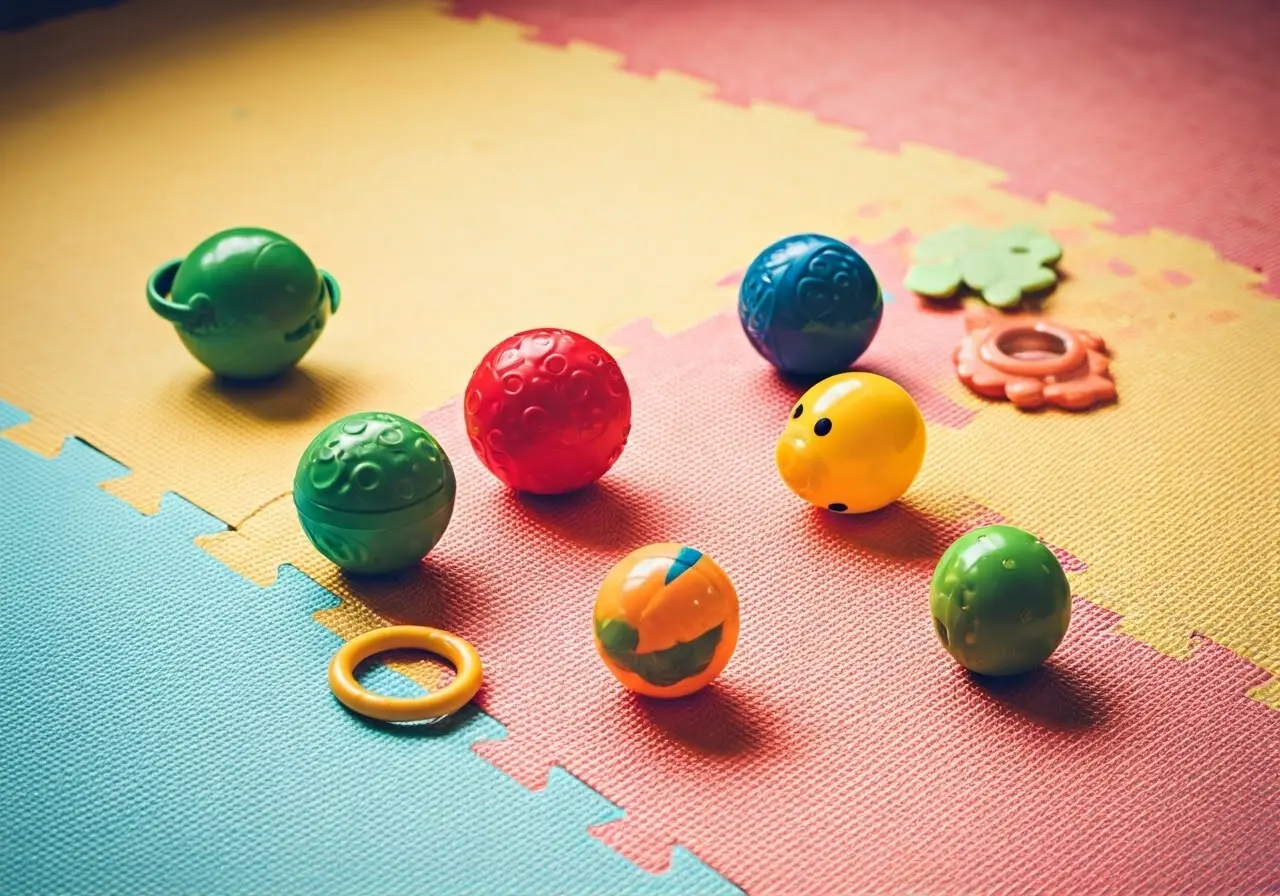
{"x": 448, "y": 175}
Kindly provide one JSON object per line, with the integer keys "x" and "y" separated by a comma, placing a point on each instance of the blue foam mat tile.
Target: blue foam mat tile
{"x": 11, "y": 416}
{"x": 167, "y": 728}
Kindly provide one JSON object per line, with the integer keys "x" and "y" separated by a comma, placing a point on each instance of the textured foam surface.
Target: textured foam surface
{"x": 421, "y": 203}
{"x": 167, "y": 728}
{"x": 841, "y": 745}
{"x": 398, "y": 145}
{"x": 1100, "y": 484}
{"x": 1124, "y": 105}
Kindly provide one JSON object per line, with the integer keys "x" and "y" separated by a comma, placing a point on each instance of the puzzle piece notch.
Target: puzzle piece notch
{"x": 247, "y": 553}
{"x": 272, "y": 539}
{"x": 11, "y": 417}
{"x": 1267, "y": 694}
{"x": 937, "y": 180}
{"x": 537, "y": 770}
{"x": 1159, "y": 633}
{"x": 516, "y": 31}
{"x": 1146, "y": 256}
{"x": 1197, "y": 260}
{"x": 677, "y": 862}
{"x": 47, "y": 439}
{"x": 264, "y": 542}
{"x": 653, "y": 851}
{"x": 251, "y": 650}
{"x": 47, "y": 442}
{"x": 37, "y": 435}
{"x": 141, "y": 492}
{"x": 1178, "y": 641}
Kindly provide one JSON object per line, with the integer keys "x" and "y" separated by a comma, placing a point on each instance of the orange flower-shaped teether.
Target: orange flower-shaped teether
{"x": 1032, "y": 362}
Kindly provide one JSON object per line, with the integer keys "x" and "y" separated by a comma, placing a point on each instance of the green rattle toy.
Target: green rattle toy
{"x": 374, "y": 492}
{"x": 247, "y": 302}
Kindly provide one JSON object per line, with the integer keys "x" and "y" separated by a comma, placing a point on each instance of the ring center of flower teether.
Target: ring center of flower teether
{"x": 1031, "y": 345}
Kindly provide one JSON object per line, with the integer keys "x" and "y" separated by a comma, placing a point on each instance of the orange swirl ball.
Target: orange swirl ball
{"x": 666, "y": 620}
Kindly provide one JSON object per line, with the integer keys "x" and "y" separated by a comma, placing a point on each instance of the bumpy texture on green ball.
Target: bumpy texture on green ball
{"x": 374, "y": 492}
{"x": 1000, "y": 601}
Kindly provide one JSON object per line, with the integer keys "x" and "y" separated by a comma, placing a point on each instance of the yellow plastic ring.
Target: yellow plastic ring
{"x": 436, "y": 705}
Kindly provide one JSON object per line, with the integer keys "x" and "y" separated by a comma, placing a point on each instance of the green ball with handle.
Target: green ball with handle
{"x": 247, "y": 302}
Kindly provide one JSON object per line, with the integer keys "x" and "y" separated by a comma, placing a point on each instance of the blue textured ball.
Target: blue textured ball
{"x": 810, "y": 305}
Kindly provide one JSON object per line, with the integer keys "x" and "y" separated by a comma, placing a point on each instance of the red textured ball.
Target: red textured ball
{"x": 548, "y": 411}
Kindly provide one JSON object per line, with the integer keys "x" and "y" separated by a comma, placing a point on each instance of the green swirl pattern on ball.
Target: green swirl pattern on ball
{"x": 662, "y": 668}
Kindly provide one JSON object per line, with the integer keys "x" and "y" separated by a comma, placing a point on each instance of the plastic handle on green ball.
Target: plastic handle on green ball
{"x": 335, "y": 294}
{"x": 158, "y": 286}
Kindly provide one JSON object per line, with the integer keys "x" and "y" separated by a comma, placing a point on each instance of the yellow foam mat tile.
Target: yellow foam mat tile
{"x": 462, "y": 182}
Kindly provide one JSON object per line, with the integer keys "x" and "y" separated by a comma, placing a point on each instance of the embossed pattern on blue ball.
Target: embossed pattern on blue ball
{"x": 810, "y": 305}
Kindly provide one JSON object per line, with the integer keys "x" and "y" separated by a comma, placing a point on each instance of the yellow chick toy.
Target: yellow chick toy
{"x": 855, "y": 443}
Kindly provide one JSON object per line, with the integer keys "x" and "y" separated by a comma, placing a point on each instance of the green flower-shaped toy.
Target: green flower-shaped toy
{"x": 1000, "y": 265}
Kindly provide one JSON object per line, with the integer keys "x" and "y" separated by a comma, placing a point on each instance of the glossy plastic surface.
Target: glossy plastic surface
{"x": 247, "y": 302}
{"x": 1000, "y": 601}
{"x": 1033, "y": 362}
{"x": 810, "y": 305}
{"x": 374, "y": 492}
{"x": 666, "y": 620}
{"x": 468, "y": 674}
{"x": 548, "y": 411}
{"x": 855, "y": 443}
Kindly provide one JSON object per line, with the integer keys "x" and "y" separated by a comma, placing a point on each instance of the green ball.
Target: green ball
{"x": 374, "y": 492}
{"x": 1000, "y": 601}
{"x": 247, "y": 302}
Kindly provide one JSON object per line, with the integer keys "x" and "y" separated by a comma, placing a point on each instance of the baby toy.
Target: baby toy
{"x": 1000, "y": 601}
{"x": 436, "y": 705}
{"x": 855, "y": 443}
{"x": 374, "y": 492}
{"x": 1000, "y": 266}
{"x": 548, "y": 411}
{"x": 666, "y": 620}
{"x": 247, "y": 302}
{"x": 810, "y": 305}
{"x": 1033, "y": 362}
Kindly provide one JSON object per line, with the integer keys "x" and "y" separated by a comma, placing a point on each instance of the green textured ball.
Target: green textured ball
{"x": 374, "y": 492}
{"x": 1000, "y": 601}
